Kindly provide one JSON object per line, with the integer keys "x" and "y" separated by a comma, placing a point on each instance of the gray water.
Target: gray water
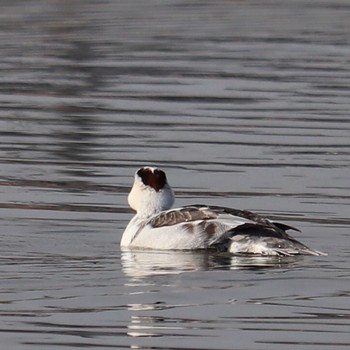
{"x": 243, "y": 103}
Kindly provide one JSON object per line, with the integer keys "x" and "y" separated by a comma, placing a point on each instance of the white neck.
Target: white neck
{"x": 147, "y": 202}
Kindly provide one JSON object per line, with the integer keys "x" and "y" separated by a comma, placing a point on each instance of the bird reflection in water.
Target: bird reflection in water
{"x": 141, "y": 263}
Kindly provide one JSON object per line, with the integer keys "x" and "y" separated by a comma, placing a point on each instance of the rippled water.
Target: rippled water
{"x": 243, "y": 103}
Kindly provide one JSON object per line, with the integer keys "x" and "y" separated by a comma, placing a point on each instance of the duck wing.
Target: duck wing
{"x": 240, "y": 232}
{"x": 182, "y": 215}
{"x": 216, "y": 226}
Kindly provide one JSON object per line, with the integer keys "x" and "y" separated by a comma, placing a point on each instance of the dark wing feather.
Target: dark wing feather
{"x": 250, "y": 216}
{"x": 202, "y": 212}
{"x": 285, "y": 227}
{"x": 178, "y": 216}
{"x": 235, "y": 212}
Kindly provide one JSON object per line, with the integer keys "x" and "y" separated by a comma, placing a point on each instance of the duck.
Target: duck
{"x": 156, "y": 225}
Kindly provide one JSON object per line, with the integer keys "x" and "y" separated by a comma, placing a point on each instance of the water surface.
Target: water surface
{"x": 243, "y": 103}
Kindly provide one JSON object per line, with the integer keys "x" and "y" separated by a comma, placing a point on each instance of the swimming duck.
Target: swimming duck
{"x": 193, "y": 227}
